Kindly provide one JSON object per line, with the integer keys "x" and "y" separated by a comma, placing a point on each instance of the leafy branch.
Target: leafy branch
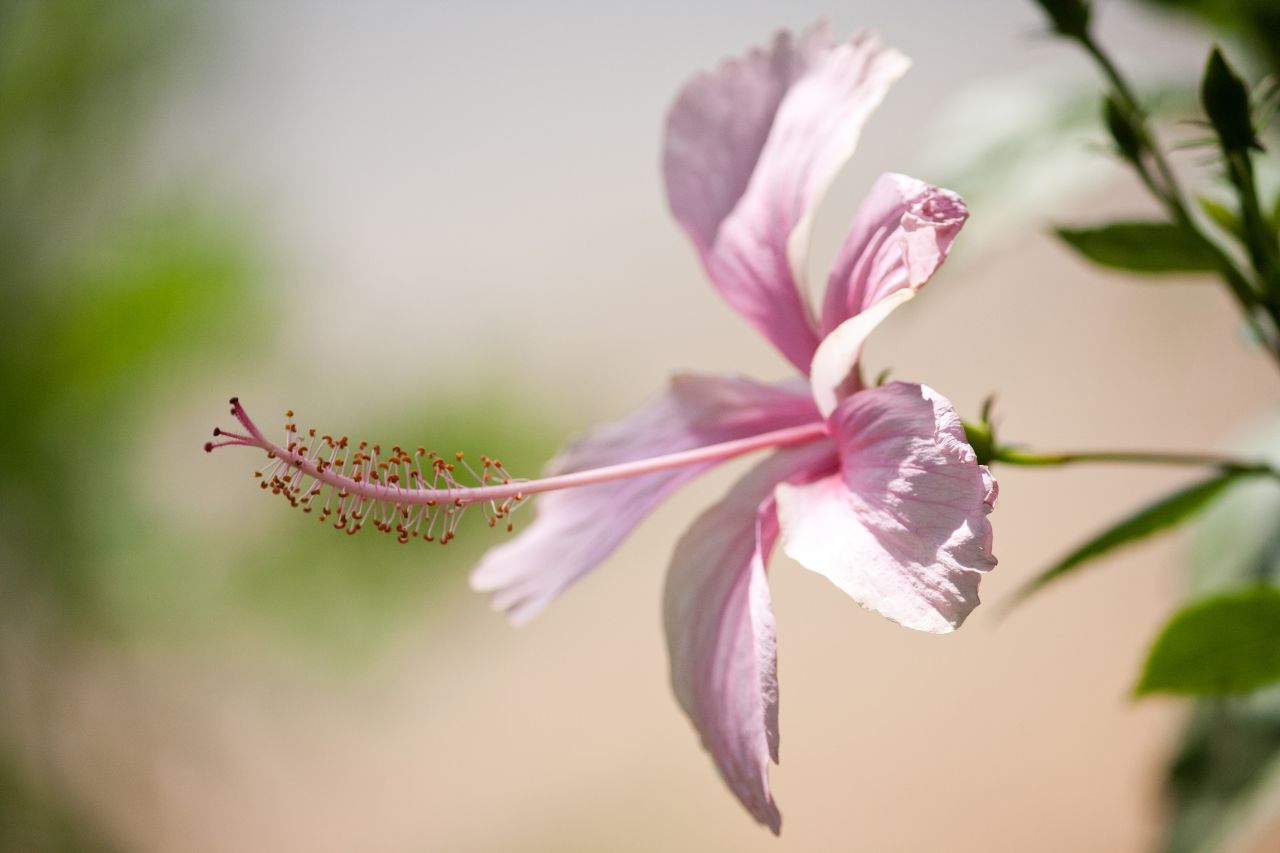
{"x": 1226, "y": 100}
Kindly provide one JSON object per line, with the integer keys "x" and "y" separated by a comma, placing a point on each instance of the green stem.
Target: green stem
{"x": 1262, "y": 243}
{"x": 1169, "y": 193}
{"x": 1013, "y": 456}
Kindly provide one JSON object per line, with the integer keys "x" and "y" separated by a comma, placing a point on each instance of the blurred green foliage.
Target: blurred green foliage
{"x": 31, "y": 820}
{"x": 1227, "y": 768}
{"x": 99, "y": 343}
{"x": 103, "y": 291}
{"x": 109, "y": 292}
{"x": 118, "y": 300}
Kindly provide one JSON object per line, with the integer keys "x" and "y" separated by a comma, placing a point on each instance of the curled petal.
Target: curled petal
{"x": 899, "y": 237}
{"x": 576, "y": 529}
{"x": 902, "y": 528}
{"x": 749, "y": 151}
{"x": 720, "y": 627}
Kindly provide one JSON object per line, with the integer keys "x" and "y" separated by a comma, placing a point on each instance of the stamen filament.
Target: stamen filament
{"x": 522, "y": 488}
{"x": 376, "y": 491}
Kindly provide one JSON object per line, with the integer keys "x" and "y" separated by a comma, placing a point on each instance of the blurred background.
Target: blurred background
{"x": 443, "y": 223}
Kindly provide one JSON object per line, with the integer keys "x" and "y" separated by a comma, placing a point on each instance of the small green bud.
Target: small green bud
{"x": 981, "y": 440}
{"x": 982, "y": 435}
{"x": 1125, "y": 128}
{"x": 1068, "y": 18}
{"x": 1225, "y": 98}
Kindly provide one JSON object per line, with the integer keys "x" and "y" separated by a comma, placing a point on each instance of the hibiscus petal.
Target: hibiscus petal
{"x": 899, "y": 237}
{"x": 834, "y": 374}
{"x": 576, "y": 529}
{"x": 720, "y": 627}
{"x": 749, "y": 151}
{"x": 903, "y": 527}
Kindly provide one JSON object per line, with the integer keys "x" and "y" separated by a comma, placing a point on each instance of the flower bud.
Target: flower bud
{"x": 1124, "y": 127}
{"x": 1068, "y": 18}
{"x": 982, "y": 435}
{"x": 1225, "y": 98}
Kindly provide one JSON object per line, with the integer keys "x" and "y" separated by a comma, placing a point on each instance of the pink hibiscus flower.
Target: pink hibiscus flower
{"x": 875, "y": 488}
{"x": 888, "y": 502}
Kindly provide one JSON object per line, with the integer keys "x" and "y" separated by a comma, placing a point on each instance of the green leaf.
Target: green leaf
{"x": 1143, "y": 247}
{"x": 1164, "y": 514}
{"x": 1220, "y": 646}
{"x": 1222, "y": 216}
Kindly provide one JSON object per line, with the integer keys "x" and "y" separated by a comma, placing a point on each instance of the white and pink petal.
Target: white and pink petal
{"x": 900, "y": 235}
{"x": 576, "y": 529}
{"x": 902, "y": 528}
{"x": 720, "y": 626}
{"x": 835, "y": 373}
{"x": 751, "y": 148}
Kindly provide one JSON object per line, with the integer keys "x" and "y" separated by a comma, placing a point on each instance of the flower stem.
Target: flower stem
{"x": 1260, "y": 235}
{"x": 1013, "y": 456}
{"x": 1254, "y": 305}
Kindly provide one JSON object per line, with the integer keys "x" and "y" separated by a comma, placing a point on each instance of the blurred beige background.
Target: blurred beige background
{"x": 499, "y": 160}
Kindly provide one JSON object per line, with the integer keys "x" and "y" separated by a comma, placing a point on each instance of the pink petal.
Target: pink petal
{"x": 576, "y": 529}
{"x": 720, "y": 628}
{"x": 751, "y": 148}
{"x": 900, "y": 236}
{"x": 903, "y": 527}
{"x": 834, "y": 374}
